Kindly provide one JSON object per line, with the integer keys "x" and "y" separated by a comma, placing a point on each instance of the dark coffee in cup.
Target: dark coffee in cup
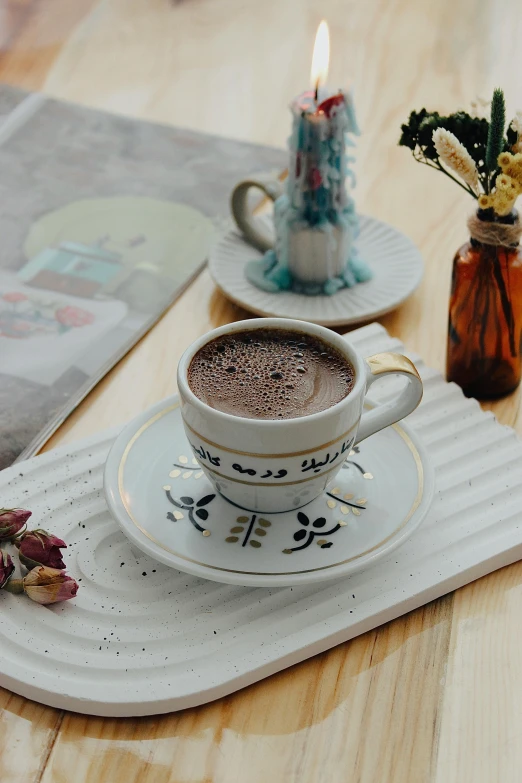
{"x": 270, "y": 374}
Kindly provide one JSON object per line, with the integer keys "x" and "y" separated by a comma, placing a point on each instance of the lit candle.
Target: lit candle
{"x": 320, "y": 59}
{"x": 315, "y": 220}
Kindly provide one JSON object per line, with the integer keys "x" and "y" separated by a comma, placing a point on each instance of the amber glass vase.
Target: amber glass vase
{"x": 485, "y": 319}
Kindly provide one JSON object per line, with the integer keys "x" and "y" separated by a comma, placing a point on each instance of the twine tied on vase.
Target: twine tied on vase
{"x": 489, "y": 232}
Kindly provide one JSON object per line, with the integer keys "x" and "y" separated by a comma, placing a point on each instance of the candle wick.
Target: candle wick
{"x": 316, "y": 93}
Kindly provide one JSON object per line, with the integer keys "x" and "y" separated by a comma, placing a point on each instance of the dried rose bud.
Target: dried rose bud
{"x": 12, "y": 521}
{"x": 49, "y": 585}
{"x": 38, "y": 547}
{"x": 6, "y": 567}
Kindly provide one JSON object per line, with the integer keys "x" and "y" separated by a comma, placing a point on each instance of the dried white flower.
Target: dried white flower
{"x": 456, "y": 157}
{"x": 516, "y": 123}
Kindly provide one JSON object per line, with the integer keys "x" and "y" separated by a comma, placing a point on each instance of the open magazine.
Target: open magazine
{"x": 103, "y": 221}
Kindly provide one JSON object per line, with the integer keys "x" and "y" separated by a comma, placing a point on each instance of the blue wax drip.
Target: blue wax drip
{"x": 316, "y": 199}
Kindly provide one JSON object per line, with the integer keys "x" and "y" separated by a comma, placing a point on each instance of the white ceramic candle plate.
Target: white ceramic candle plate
{"x": 396, "y": 264}
{"x": 167, "y": 507}
{"x": 141, "y": 638}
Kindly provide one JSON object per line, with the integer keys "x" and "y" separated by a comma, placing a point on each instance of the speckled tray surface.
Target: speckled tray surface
{"x": 141, "y": 638}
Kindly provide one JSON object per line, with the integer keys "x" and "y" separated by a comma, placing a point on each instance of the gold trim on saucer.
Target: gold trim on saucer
{"x": 420, "y": 489}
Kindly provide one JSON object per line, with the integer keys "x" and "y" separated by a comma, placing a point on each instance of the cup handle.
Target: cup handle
{"x": 253, "y": 230}
{"x": 383, "y": 415}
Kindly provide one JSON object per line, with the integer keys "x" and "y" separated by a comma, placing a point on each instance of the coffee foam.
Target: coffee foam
{"x": 270, "y": 374}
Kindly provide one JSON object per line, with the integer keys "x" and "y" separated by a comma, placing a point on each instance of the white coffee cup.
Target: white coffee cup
{"x": 269, "y": 465}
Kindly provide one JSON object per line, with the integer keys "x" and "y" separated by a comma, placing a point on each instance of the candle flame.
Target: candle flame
{"x": 321, "y": 57}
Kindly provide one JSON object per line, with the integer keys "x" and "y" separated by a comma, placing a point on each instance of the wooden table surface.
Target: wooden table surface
{"x": 435, "y": 695}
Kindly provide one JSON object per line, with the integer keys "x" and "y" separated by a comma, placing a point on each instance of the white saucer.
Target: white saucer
{"x": 164, "y": 503}
{"x": 396, "y": 264}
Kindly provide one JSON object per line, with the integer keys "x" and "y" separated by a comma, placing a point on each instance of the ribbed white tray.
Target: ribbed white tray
{"x": 141, "y": 639}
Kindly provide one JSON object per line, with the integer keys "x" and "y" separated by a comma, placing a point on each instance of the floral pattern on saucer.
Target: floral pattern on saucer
{"x": 249, "y": 528}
